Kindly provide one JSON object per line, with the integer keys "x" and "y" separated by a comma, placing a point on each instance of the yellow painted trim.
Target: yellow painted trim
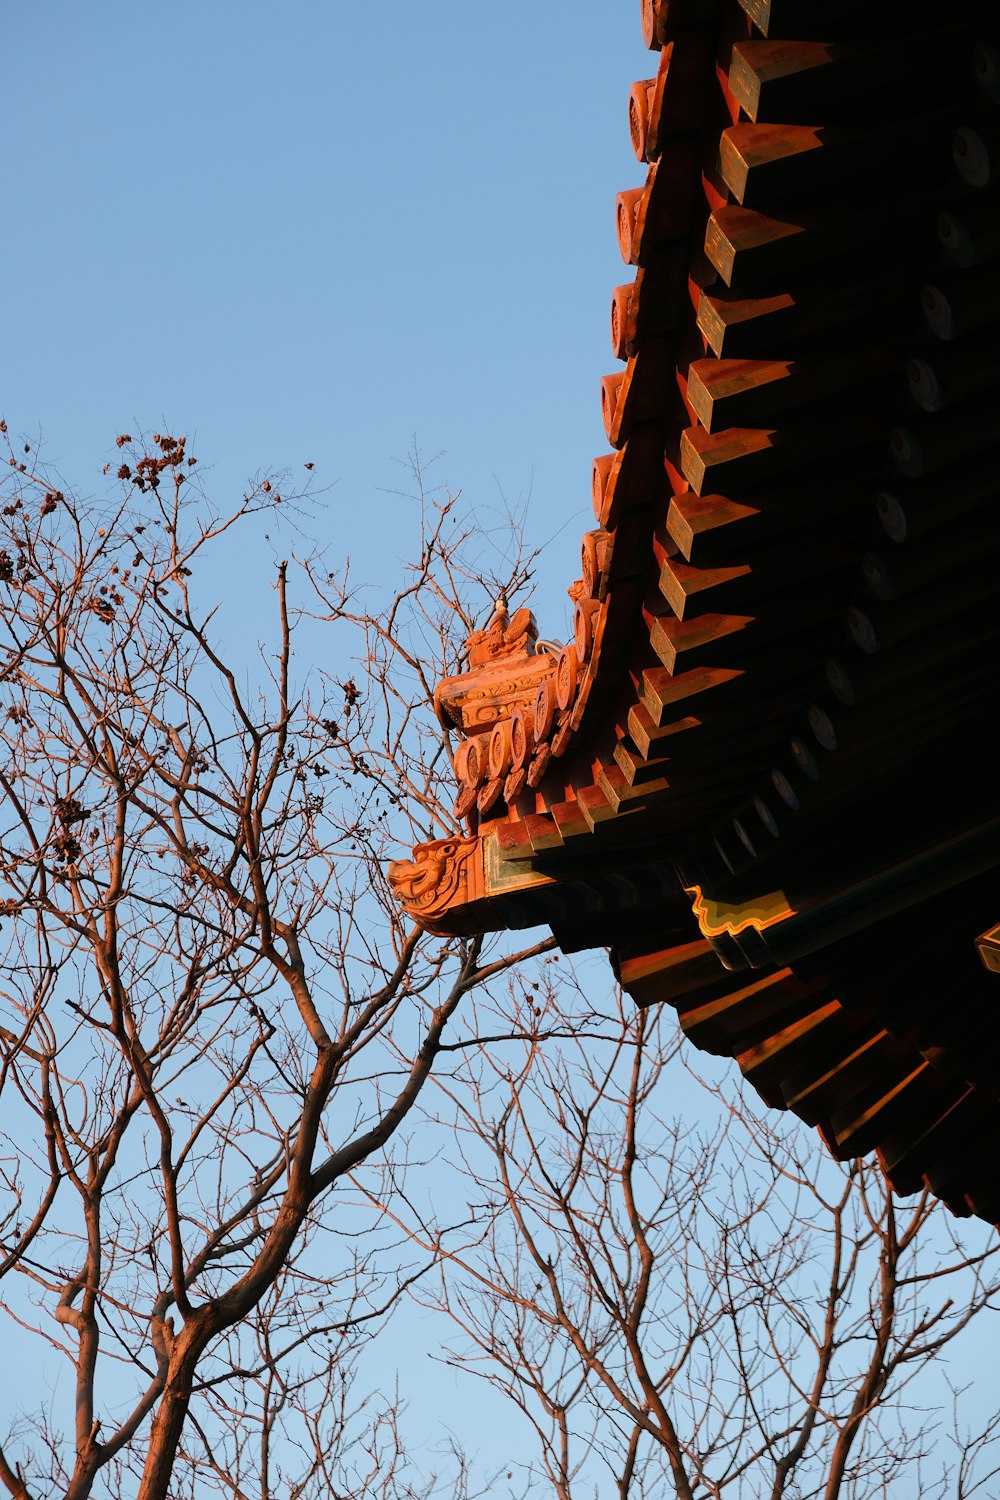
{"x": 716, "y": 918}
{"x": 501, "y": 876}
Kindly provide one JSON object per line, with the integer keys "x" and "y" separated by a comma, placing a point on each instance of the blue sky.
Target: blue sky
{"x": 311, "y": 231}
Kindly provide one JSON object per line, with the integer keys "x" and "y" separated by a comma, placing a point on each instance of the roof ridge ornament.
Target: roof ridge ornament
{"x": 505, "y": 635}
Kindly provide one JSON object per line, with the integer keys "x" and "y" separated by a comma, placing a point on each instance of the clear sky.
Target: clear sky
{"x": 309, "y": 231}
{"x": 312, "y": 230}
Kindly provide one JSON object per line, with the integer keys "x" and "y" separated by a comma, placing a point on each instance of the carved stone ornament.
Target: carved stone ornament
{"x": 506, "y": 635}
{"x": 444, "y": 873}
{"x": 504, "y": 672}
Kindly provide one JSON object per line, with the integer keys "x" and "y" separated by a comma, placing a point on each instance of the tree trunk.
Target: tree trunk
{"x": 171, "y": 1414}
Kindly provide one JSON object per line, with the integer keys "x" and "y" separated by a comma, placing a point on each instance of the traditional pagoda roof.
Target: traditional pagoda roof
{"x": 762, "y": 773}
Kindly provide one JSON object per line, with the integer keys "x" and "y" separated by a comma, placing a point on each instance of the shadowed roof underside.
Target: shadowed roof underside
{"x": 763, "y": 771}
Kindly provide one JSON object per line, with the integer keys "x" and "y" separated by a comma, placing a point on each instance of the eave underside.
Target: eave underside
{"x": 763, "y": 772}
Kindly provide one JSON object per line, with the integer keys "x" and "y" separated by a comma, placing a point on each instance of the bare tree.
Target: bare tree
{"x": 213, "y": 1014}
{"x": 694, "y": 1304}
{"x": 218, "y": 1032}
